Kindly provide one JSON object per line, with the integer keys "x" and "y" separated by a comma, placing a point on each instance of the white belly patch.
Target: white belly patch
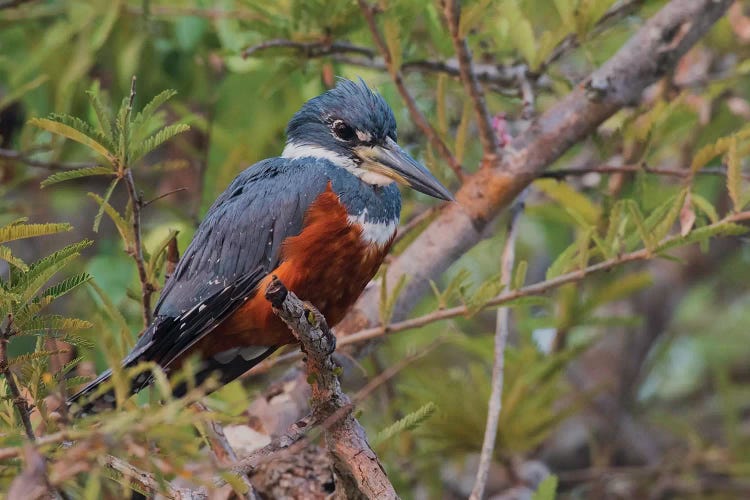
{"x": 374, "y": 232}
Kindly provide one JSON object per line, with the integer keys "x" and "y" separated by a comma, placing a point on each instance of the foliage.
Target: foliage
{"x": 661, "y": 331}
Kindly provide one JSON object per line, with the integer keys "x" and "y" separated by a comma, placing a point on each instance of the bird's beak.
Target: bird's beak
{"x": 392, "y": 161}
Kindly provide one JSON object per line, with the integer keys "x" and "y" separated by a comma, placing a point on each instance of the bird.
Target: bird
{"x": 321, "y": 217}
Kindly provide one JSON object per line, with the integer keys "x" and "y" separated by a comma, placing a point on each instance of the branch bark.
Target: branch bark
{"x": 355, "y": 463}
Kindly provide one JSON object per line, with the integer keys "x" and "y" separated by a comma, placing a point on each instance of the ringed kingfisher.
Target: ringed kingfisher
{"x": 321, "y": 217}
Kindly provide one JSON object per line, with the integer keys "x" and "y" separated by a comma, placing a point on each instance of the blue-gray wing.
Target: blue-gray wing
{"x": 238, "y": 243}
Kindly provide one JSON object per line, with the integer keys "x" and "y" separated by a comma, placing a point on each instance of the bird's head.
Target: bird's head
{"x": 354, "y": 128}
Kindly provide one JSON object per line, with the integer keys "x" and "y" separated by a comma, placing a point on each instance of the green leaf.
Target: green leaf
{"x": 157, "y": 140}
{"x": 53, "y": 322}
{"x": 462, "y": 131}
{"x": 125, "y": 229}
{"x": 660, "y": 225}
{"x": 734, "y": 175}
{"x": 32, "y": 283}
{"x": 388, "y": 302}
{"x": 73, "y": 133}
{"x": 76, "y": 174}
{"x": 708, "y": 153}
{"x": 143, "y": 117}
{"x": 42, "y": 264}
{"x": 103, "y": 114}
{"x": 705, "y": 233}
{"x": 563, "y": 262}
{"x": 640, "y": 225}
{"x": 546, "y": 489}
{"x": 104, "y": 203}
{"x": 159, "y": 255}
{"x": 21, "y": 231}
{"x": 67, "y": 285}
{"x": 7, "y": 256}
{"x": 705, "y": 206}
{"x": 570, "y": 199}
{"x": 408, "y": 423}
{"x": 519, "y": 278}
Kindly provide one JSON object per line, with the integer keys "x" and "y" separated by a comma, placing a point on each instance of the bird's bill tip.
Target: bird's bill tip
{"x": 392, "y": 161}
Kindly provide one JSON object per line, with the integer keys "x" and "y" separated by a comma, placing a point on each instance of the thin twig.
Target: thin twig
{"x": 452, "y": 13}
{"x": 136, "y": 251}
{"x": 416, "y": 115}
{"x": 18, "y": 400}
{"x": 502, "y": 328}
{"x": 310, "y": 49}
{"x": 27, "y": 158}
{"x": 149, "y": 202}
{"x": 681, "y": 173}
{"x": 527, "y": 291}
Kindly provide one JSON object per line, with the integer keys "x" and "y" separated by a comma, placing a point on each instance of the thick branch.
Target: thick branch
{"x": 416, "y": 115}
{"x": 452, "y": 12}
{"x": 651, "y": 53}
{"x": 354, "y": 460}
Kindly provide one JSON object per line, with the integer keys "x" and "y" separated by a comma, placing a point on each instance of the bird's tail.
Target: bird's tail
{"x": 103, "y": 401}
{"x": 228, "y": 367}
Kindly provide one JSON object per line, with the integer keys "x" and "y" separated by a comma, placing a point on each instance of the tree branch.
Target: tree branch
{"x": 310, "y": 49}
{"x": 681, "y": 173}
{"x": 452, "y": 13}
{"x": 416, "y": 115}
{"x": 531, "y": 290}
{"x": 495, "y": 403}
{"x": 354, "y": 460}
{"x": 27, "y": 158}
{"x": 19, "y": 401}
{"x": 147, "y": 288}
{"x": 645, "y": 58}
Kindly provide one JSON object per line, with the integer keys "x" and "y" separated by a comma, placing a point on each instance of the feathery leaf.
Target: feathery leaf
{"x": 76, "y": 174}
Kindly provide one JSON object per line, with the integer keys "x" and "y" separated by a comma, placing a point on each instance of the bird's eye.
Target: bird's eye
{"x": 342, "y": 130}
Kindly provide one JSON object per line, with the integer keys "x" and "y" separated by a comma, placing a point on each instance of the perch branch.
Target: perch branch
{"x": 416, "y": 115}
{"x": 452, "y": 13}
{"x": 354, "y": 460}
{"x": 502, "y": 328}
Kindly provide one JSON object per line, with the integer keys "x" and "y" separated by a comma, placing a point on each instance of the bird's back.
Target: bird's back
{"x": 317, "y": 227}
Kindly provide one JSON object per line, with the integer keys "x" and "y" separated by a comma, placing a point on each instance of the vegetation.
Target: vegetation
{"x": 602, "y": 319}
